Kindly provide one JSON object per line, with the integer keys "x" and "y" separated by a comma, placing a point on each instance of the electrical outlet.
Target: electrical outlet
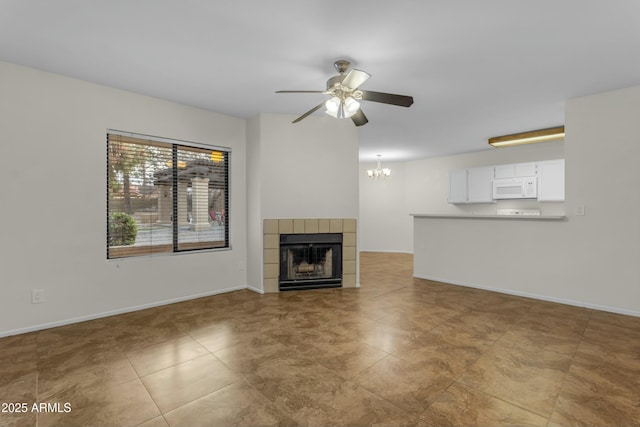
{"x": 580, "y": 210}
{"x": 37, "y": 296}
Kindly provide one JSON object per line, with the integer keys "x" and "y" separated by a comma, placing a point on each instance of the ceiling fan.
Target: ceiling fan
{"x": 345, "y": 95}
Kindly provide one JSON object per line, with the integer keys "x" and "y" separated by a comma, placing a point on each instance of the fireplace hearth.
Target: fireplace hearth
{"x": 310, "y": 261}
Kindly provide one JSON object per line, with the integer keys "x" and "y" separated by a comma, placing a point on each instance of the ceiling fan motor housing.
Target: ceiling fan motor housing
{"x": 342, "y": 65}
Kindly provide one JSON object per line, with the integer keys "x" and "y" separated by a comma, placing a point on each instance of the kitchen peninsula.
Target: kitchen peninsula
{"x": 512, "y": 254}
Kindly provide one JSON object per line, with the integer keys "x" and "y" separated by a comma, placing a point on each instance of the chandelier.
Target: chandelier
{"x": 379, "y": 171}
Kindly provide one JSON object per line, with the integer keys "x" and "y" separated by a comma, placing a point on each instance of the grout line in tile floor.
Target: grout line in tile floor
{"x": 385, "y": 317}
{"x": 573, "y": 356}
{"x": 139, "y": 378}
{"x": 493, "y": 344}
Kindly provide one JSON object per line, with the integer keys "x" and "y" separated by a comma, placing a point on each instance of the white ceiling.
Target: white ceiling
{"x": 476, "y": 69}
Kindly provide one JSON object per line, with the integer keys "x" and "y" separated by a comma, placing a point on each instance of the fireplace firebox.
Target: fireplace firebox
{"x": 310, "y": 261}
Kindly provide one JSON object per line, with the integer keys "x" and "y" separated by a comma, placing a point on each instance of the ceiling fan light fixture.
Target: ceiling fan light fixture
{"x": 351, "y": 106}
{"x": 541, "y": 135}
{"x": 335, "y": 107}
{"x": 332, "y": 105}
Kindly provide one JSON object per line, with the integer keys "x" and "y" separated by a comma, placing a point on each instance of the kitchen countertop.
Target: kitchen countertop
{"x": 483, "y": 216}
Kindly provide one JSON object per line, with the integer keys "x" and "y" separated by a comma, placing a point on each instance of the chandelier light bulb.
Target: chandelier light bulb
{"x": 379, "y": 171}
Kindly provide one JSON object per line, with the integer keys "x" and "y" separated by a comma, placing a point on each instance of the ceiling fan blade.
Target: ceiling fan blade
{"x": 310, "y": 112}
{"x": 301, "y": 91}
{"x": 387, "y": 98}
{"x": 359, "y": 118}
{"x": 355, "y": 78}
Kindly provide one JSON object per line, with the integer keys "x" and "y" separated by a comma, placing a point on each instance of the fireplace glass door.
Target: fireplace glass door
{"x": 310, "y": 261}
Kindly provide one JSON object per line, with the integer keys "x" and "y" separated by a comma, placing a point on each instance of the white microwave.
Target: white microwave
{"x": 515, "y": 188}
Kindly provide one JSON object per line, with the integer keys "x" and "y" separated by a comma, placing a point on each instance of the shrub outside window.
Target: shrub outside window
{"x": 165, "y": 196}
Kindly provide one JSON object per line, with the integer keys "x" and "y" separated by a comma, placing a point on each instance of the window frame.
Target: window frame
{"x": 173, "y": 248}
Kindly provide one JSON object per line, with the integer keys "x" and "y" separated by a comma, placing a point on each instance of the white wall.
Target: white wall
{"x": 303, "y": 170}
{"x": 602, "y": 152}
{"x": 589, "y": 260}
{"x": 385, "y": 223}
{"x": 254, "y": 206}
{"x": 53, "y": 216}
{"x": 308, "y": 169}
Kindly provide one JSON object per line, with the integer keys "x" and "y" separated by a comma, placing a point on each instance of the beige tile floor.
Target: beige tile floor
{"x": 398, "y": 351}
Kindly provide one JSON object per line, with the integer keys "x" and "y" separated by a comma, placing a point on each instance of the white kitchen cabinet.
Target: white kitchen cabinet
{"x": 514, "y": 170}
{"x": 471, "y": 185}
{"x": 504, "y": 171}
{"x": 475, "y": 185}
{"x": 524, "y": 170}
{"x": 551, "y": 181}
{"x": 458, "y": 186}
{"x": 480, "y": 185}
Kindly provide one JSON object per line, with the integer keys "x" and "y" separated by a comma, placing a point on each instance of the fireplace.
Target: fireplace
{"x": 310, "y": 261}
{"x": 273, "y": 228}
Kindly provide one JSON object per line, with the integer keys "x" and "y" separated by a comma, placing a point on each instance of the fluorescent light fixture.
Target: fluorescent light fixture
{"x": 541, "y": 135}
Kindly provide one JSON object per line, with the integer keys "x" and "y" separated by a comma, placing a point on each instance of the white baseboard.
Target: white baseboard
{"x": 114, "y": 312}
{"x": 259, "y": 291}
{"x": 534, "y": 296}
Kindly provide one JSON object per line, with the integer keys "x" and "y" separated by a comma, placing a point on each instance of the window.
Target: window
{"x": 165, "y": 196}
